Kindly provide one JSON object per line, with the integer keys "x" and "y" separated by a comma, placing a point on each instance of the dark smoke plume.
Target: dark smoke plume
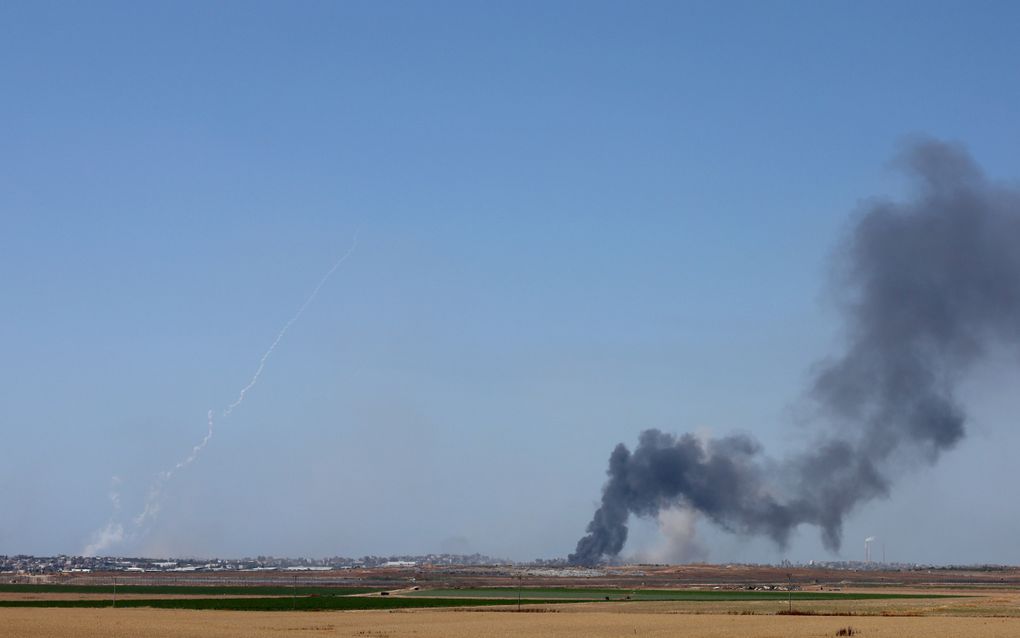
{"x": 926, "y": 287}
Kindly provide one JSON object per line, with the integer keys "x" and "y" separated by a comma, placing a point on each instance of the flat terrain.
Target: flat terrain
{"x": 704, "y": 595}
{"x": 427, "y": 602}
{"x": 594, "y": 621}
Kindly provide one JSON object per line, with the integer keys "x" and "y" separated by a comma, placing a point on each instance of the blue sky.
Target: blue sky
{"x": 577, "y": 220}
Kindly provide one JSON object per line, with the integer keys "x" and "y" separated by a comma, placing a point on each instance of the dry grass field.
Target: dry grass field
{"x": 595, "y": 620}
{"x": 980, "y": 604}
{"x": 986, "y": 615}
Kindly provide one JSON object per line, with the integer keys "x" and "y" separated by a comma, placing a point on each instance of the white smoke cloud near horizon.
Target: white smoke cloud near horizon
{"x": 114, "y": 532}
{"x": 678, "y": 539}
{"x": 110, "y": 534}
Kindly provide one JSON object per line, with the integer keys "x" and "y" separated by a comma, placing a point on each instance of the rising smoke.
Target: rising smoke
{"x": 926, "y": 287}
{"x": 678, "y": 539}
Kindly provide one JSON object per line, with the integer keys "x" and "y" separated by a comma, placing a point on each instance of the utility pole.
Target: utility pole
{"x": 114, "y": 591}
{"x": 789, "y": 590}
{"x": 293, "y": 597}
{"x": 520, "y": 583}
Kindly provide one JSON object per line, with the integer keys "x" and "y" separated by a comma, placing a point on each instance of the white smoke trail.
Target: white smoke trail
{"x": 152, "y": 499}
{"x": 114, "y": 533}
{"x": 286, "y": 326}
{"x": 114, "y": 493}
{"x": 111, "y": 534}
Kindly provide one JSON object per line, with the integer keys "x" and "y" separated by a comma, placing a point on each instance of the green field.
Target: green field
{"x": 341, "y": 598}
{"x": 338, "y": 603}
{"x": 720, "y": 595}
{"x": 200, "y": 590}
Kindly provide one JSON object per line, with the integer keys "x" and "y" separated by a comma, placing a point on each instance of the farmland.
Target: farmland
{"x": 425, "y": 602}
{"x": 281, "y": 603}
{"x": 590, "y": 620}
{"x": 187, "y": 590}
{"x": 659, "y": 594}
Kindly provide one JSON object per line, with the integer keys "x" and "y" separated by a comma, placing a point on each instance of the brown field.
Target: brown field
{"x": 989, "y": 606}
{"x": 593, "y": 620}
{"x": 622, "y": 576}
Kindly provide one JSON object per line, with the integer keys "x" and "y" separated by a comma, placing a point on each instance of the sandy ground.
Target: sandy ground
{"x": 582, "y": 623}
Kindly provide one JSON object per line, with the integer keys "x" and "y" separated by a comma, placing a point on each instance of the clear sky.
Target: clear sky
{"x": 577, "y": 220}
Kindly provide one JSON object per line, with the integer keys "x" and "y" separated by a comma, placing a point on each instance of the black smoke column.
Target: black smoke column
{"x": 925, "y": 287}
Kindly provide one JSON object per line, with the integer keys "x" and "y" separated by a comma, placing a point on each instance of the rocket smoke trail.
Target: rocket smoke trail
{"x": 927, "y": 287}
{"x": 283, "y": 331}
{"x": 113, "y": 532}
